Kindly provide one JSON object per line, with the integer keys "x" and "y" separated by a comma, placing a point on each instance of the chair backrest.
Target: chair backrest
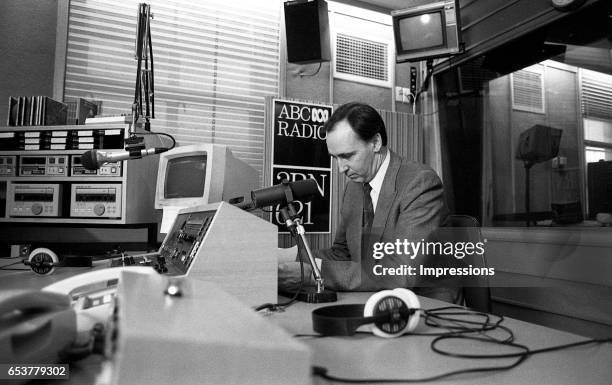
{"x": 476, "y": 291}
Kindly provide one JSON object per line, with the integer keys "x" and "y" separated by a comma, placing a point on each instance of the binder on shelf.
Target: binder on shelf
{"x": 36, "y": 111}
{"x": 85, "y": 109}
{"x": 13, "y": 110}
{"x": 27, "y": 107}
{"x": 32, "y": 114}
{"x": 55, "y": 113}
{"x": 20, "y": 110}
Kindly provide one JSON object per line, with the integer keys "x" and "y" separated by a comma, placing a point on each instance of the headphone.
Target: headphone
{"x": 391, "y": 313}
{"x": 42, "y": 261}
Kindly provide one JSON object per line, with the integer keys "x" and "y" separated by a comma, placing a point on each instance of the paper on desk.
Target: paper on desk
{"x": 169, "y": 215}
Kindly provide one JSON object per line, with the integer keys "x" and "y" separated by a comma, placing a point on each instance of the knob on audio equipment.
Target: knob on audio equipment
{"x": 99, "y": 209}
{"x": 37, "y": 208}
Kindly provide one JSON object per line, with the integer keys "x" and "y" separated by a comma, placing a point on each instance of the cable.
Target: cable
{"x": 457, "y": 329}
{"x": 160, "y": 134}
{"x": 312, "y": 74}
{"x": 13, "y": 264}
{"x": 285, "y": 305}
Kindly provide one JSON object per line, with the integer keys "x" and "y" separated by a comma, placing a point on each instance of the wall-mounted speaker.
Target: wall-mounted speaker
{"x": 307, "y": 31}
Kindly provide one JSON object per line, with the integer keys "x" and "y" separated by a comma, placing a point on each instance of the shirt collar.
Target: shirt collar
{"x": 377, "y": 181}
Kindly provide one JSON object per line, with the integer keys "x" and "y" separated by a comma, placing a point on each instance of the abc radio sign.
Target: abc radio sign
{"x": 300, "y": 152}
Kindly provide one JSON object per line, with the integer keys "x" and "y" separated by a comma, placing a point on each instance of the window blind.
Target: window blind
{"x": 596, "y": 95}
{"x": 214, "y": 63}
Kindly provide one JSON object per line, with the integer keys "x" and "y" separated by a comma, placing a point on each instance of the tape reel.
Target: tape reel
{"x": 42, "y": 261}
{"x": 390, "y": 313}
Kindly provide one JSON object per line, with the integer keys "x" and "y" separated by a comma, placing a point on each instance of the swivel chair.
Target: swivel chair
{"x": 476, "y": 290}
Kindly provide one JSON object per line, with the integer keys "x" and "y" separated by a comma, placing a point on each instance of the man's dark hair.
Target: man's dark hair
{"x": 363, "y": 119}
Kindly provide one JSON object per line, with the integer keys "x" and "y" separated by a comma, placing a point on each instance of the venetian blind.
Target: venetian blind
{"x": 214, "y": 63}
{"x": 596, "y": 97}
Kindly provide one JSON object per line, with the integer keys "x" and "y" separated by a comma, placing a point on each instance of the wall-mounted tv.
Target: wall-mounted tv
{"x": 428, "y": 31}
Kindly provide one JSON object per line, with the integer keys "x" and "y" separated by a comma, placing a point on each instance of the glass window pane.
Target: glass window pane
{"x": 598, "y": 130}
{"x": 595, "y": 154}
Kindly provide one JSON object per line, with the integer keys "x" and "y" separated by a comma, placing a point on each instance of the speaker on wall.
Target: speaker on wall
{"x": 307, "y": 31}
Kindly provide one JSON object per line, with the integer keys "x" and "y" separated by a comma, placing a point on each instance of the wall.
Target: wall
{"x": 547, "y": 185}
{"x": 27, "y": 53}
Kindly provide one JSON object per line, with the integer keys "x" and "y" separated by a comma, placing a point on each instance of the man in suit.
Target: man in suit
{"x": 387, "y": 199}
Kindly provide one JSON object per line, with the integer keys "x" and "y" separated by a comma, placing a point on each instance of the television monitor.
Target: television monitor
{"x": 428, "y": 31}
{"x": 200, "y": 174}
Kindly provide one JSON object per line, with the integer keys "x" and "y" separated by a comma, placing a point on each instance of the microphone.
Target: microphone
{"x": 93, "y": 159}
{"x": 285, "y": 192}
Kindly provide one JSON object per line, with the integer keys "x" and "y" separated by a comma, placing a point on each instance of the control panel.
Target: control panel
{"x": 34, "y": 200}
{"x": 182, "y": 244}
{"x": 8, "y": 165}
{"x": 43, "y": 165}
{"x": 108, "y": 169}
{"x": 100, "y": 200}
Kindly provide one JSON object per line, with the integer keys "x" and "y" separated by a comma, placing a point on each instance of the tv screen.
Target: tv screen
{"x": 421, "y": 31}
{"x": 427, "y": 31}
{"x": 185, "y": 177}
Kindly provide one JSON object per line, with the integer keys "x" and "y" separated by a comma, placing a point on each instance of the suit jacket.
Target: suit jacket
{"x": 410, "y": 206}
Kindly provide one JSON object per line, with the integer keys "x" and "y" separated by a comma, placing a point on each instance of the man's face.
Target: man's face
{"x": 355, "y": 156}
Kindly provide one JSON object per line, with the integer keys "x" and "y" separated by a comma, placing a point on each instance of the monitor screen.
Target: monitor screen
{"x": 421, "y": 31}
{"x": 427, "y": 31}
{"x": 185, "y": 177}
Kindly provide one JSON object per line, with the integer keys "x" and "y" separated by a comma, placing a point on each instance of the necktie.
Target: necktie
{"x": 367, "y": 219}
{"x": 368, "y": 208}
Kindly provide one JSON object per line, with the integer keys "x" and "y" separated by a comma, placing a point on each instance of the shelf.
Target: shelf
{"x": 55, "y": 152}
{"x": 74, "y": 179}
{"x": 97, "y": 126}
{"x": 55, "y": 220}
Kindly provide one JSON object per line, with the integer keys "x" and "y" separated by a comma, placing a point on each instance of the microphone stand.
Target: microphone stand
{"x": 293, "y": 221}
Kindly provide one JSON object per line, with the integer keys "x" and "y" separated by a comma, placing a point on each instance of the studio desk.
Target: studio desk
{"x": 365, "y": 356}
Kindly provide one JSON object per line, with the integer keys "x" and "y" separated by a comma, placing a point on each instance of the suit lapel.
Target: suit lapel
{"x": 386, "y": 197}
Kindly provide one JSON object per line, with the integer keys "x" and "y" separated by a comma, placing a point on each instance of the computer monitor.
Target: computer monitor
{"x": 202, "y": 173}
{"x": 427, "y": 31}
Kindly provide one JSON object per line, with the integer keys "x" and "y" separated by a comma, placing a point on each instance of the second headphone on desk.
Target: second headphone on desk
{"x": 391, "y": 313}
{"x": 42, "y": 261}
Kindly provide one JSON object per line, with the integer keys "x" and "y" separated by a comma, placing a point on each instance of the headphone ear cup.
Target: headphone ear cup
{"x": 42, "y": 261}
{"x": 388, "y": 301}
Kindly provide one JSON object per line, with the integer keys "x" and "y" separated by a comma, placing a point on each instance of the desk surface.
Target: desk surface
{"x": 365, "y": 356}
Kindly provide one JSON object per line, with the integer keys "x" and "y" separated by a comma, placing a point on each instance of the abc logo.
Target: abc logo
{"x": 319, "y": 116}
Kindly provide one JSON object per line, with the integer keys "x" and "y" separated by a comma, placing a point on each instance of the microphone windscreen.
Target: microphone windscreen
{"x": 305, "y": 189}
{"x": 302, "y": 190}
{"x": 89, "y": 160}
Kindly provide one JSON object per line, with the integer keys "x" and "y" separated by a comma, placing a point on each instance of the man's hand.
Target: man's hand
{"x": 287, "y": 255}
{"x": 289, "y": 275}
